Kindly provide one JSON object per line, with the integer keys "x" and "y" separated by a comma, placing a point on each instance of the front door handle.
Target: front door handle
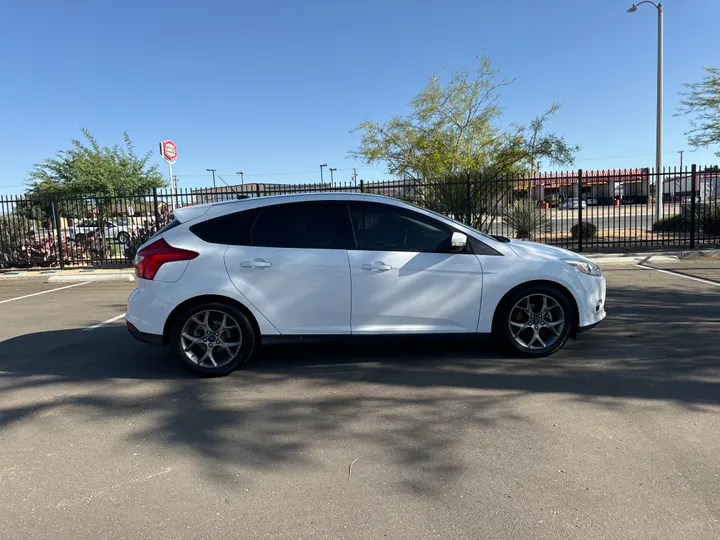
{"x": 376, "y": 266}
{"x": 256, "y": 263}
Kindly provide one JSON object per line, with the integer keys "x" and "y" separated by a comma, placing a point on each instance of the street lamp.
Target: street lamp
{"x": 659, "y": 120}
{"x": 213, "y": 172}
{"x": 242, "y": 177}
{"x": 331, "y": 175}
{"x": 321, "y": 168}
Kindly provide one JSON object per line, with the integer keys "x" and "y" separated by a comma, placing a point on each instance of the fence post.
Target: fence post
{"x": 362, "y": 186}
{"x": 580, "y": 212}
{"x": 693, "y": 206}
{"x": 58, "y": 232}
{"x": 467, "y": 199}
{"x": 257, "y": 190}
{"x": 157, "y": 211}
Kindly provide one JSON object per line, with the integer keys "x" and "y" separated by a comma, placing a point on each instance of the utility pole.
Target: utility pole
{"x": 321, "y": 174}
{"x": 354, "y": 176}
{"x": 213, "y": 173}
{"x": 681, "y": 155}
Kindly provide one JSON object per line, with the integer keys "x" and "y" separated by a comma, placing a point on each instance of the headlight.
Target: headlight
{"x": 586, "y": 267}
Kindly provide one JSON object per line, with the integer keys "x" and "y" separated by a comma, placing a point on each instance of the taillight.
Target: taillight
{"x": 150, "y": 258}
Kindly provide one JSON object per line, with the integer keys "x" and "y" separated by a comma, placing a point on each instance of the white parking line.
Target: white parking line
{"x": 677, "y": 274}
{"x": 43, "y": 292}
{"x": 98, "y": 325}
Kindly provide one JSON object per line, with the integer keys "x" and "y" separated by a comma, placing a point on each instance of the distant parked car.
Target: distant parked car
{"x": 571, "y": 204}
{"x": 116, "y": 229}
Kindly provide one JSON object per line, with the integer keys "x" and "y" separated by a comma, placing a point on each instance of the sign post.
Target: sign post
{"x": 168, "y": 151}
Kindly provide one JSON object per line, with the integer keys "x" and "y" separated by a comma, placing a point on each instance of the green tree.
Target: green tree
{"x": 90, "y": 179}
{"x": 456, "y": 128}
{"x": 703, "y": 102}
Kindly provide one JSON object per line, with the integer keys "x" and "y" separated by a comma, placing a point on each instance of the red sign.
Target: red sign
{"x": 168, "y": 151}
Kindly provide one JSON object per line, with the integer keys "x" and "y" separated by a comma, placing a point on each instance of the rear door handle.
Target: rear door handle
{"x": 376, "y": 266}
{"x": 256, "y": 263}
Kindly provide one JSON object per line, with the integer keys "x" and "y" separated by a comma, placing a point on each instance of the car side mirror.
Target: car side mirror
{"x": 458, "y": 241}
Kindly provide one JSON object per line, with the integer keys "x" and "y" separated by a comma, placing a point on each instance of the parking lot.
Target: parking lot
{"x": 616, "y": 436}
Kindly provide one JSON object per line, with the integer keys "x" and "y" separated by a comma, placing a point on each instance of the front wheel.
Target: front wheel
{"x": 212, "y": 339}
{"x": 123, "y": 237}
{"x": 536, "y": 321}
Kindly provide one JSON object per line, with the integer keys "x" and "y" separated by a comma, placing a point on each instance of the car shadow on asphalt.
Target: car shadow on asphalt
{"x": 412, "y": 399}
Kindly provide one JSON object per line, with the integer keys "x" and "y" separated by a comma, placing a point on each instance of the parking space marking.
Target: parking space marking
{"x": 43, "y": 292}
{"x": 98, "y": 325}
{"x": 679, "y": 274}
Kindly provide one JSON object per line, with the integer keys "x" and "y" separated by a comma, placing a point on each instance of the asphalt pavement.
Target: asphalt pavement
{"x": 616, "y": 436}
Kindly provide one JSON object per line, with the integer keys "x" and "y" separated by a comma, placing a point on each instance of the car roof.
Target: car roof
{"x": 210, "y": 210}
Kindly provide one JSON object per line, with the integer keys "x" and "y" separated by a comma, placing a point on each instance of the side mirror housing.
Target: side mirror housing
{"x": 458, "y": 241}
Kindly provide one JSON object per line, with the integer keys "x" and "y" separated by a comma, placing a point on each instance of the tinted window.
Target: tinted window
{"x": 233, "y": 229}
{"x": 309, "y": 225}
{"x": 381, "y": 227}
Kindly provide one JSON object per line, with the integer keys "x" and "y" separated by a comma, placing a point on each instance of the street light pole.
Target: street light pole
{"x": 332, "y": 180}
{"x": 242, "y": 177}
{"x": 659, "y": 116}
{"x": 321, "y": 174}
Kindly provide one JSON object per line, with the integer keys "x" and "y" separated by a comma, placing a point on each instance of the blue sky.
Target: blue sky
{"x": 273, "y": 88}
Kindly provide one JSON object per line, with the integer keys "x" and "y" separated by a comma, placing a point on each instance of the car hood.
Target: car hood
{"x": 533, "y": 250}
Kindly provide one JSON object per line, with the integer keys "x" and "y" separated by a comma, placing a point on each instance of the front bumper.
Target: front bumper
{"x": 590, "y": 298}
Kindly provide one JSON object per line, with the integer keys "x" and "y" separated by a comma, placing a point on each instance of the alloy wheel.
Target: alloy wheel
{"x": 536, "y": 322}
{"x": 211, "y": 338}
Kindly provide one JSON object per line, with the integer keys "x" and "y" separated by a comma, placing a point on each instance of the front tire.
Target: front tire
{"x": 535, "y": 321}
{"x": 123, "y": 237}
{"x": 212, "y": 339}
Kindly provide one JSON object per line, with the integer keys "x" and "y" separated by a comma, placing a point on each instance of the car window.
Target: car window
{"x": 230, "y": 229}
{"x": 305, "y": 225}
{"x": 380, "y": 227}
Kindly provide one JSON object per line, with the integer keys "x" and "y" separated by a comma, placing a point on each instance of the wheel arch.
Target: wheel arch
{"x": 529, "y": 284}
{"x": 196, "y": 300}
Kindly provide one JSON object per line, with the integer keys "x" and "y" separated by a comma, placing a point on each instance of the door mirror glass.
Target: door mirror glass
{"x": 458, "y": 241}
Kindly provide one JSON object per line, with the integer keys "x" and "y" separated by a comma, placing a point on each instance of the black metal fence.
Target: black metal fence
{"x": 579, "y": 210}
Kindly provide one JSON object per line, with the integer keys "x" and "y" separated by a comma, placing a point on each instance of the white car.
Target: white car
{"x": 117, "y": 229}
{"x": 223, "y": 278}
{"x": 572, "y": 204}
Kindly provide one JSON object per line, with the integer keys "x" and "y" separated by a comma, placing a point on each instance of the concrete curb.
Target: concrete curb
{"x": 80, "y": 278}
{"x": 658, "y": 257}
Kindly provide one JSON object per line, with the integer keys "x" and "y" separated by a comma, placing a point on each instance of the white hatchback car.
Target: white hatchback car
{"x": 222, "y": 278}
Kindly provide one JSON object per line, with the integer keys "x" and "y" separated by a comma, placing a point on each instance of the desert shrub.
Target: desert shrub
{"x": 676, "y": 223}
{"x": 589, "y": 231}
{"x": 527, "y": 218}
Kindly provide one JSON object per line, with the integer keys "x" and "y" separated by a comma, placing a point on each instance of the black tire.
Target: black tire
{"x": 123, "y": 237}
{"x": 245, "y": 329}
{"x": 502, "y": 327}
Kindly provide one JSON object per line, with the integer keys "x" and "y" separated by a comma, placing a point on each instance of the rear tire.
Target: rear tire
{"x": 535, "y": 321}
{"x": 123, "y": 237}
{"x": 212, "y": 339}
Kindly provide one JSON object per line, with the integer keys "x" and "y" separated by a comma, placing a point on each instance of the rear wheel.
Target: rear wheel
{"x": 123, "y": 237}
{"x": 212, "y": 339}
{"x": 536, "y": 321}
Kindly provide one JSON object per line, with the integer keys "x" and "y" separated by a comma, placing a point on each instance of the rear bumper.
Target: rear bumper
{"x": 145, "y": 337}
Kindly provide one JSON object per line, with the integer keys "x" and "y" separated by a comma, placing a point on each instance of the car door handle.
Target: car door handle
{"x": 376, "y": 266}
{"x": 256, "y": 263}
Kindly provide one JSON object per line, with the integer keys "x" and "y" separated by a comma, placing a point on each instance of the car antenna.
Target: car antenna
{"x": 233, "y": 189}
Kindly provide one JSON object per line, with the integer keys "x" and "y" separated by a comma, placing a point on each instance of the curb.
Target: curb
{"x": 658, "y": 257}
{"x": 82, "y": 278}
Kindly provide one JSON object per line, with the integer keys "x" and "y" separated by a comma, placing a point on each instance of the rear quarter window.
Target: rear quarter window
{"x": 231, "y": 229}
